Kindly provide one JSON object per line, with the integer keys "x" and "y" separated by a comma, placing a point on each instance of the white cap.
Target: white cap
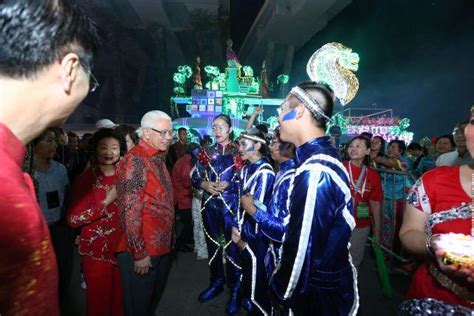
{"x": 105, "y": 123}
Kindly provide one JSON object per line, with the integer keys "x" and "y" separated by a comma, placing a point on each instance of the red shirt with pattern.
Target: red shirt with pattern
{"x": 99, "y": 223}
{"x": 28, "y": 271}
{"x": 438, "y": 190}
{"x": 181, "y": 177}
{"x": 145, "y": 202}
{"x": 370, "y": 189}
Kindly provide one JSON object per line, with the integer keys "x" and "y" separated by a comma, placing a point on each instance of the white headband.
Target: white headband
{"x": 254, "y": 138}
{"x": 306, "y": 99}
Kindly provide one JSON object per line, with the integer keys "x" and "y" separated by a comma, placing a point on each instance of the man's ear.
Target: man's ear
{"x": 300, "y": 108}
{"x": 231, "y": 129}
{"x": 69, "y": 71}
{"x": 257, "y": 146}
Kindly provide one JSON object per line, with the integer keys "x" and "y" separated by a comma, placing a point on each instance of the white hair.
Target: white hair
{"x": 149, "y": 120}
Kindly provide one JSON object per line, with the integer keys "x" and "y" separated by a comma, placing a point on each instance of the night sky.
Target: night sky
{"x": 416, "y": 57}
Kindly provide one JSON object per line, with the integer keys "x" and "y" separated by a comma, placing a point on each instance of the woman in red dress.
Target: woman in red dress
{"x": 439, "y": 204}
{"x": 93, "y": 209}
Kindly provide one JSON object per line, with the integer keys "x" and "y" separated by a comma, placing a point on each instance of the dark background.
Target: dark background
{"x": 415, "y": 57}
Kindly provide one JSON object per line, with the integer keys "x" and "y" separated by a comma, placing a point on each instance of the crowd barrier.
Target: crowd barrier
{"x": 390, "y": 253}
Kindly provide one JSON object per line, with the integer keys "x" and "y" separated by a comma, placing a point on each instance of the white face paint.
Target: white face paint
{"x": 246, "y": 148}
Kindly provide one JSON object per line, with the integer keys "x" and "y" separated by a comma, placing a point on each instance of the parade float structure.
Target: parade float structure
{"x": 231, "y": 93}
{"x": 236, "y": 92}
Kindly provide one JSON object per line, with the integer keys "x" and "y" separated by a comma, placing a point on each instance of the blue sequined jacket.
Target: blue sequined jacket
{"x": 257, "y": 179}
{"x": 315, "y": 263}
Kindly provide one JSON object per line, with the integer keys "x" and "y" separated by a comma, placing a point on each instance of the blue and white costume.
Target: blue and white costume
{"x": 257, "y": 179}
{"x": 218, "y": 215}
{"x": 315, "y": 275}
{"x": 272, "y": 222}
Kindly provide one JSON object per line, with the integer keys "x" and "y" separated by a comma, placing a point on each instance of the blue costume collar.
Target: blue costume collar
{"x": 313, "y": 146}
{"x": 287, "y": 165}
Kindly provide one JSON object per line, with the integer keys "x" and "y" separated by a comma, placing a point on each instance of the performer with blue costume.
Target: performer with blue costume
{"x": 257, "y": 179}
{"x": 315, "y": 275}
{"x": 217, "y": 173}
{"x": 272, "y": 221}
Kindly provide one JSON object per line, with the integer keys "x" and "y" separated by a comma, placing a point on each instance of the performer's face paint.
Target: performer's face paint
{"x": 221, "y": 131}
{"x": 286, "y": 116}
{"x": 108, "y": 151}
{"x": 277, "y": 148}
{"x": 246, "y": 148}
{"x": 291, "y": 115}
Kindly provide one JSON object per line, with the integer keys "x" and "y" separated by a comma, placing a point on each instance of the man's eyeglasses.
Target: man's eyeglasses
{"x": 93, "y": 83}
{"x": 170, "y": 133}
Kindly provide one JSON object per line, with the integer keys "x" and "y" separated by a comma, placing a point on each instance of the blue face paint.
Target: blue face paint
{"x": 250, "y": 149}
{"x": 289, "y": 116}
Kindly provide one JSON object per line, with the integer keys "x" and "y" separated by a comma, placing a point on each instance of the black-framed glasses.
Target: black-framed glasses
{"x": 170, "y": 133}
{"x": 93, "y": 83}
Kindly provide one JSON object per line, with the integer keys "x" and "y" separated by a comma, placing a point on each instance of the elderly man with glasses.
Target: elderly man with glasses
{"x": 147, "y": 215}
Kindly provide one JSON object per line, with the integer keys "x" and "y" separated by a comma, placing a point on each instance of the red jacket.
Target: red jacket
{"x": 145, "y": 202}
{"x": 99, "y": 224}
{"x": 28, "y": 272}
{"x": 181, "y": 177}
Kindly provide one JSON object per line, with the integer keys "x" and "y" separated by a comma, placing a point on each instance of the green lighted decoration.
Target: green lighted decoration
{"x": 234, "y": 107}
{"x": 340, "y": 121}
{"x": 282, "y": 79}
{"x": 334, "y": 64}
{"x": 186, "y": 71}
{"x": 179, "y": 78}
{"x": 248, "y": 71}
{"x": 273, "y": 122}
{"x": 212, "y": 71}
{"x": 213, "y": 74}
{"x": 404, "y": 123}
{"x": 178, "y": 91}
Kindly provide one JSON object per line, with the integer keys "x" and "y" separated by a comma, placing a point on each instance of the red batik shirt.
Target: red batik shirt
{"x": 99, "y": 223}
{"x": 28, "y": 272}
{"x": 145, "y": 202}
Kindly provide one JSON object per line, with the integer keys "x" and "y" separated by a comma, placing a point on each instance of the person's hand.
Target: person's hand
{"x": 460, "y": 274}
{"x": 257, "y": 111}
{"x": 237, "y": 239}
{"x": 247, "y": 204}
{"x": 235, "y": 235}
{"x": 221, "y": 186}
{"x": 110, "y": 196}
{"x": 210, "y": 187}
{"x": 142, "y": 266}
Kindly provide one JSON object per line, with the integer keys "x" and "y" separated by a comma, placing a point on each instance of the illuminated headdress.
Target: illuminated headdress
{"x": 254, "y": 138}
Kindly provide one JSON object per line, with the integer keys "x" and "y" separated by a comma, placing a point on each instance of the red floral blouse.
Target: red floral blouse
{"x": 99, "y": 224}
